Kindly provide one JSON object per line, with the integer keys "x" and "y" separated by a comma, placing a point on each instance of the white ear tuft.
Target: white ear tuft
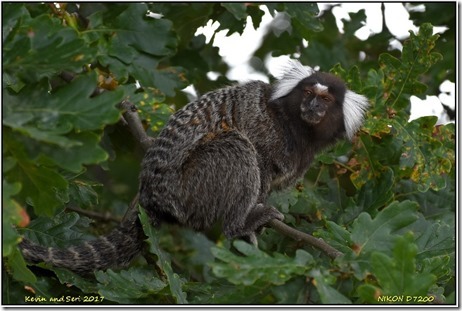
{"x": 354, "y": 108}
{"x": 293, "y": 74}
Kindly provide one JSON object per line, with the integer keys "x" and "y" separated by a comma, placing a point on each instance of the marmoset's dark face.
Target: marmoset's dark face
{"x": 316, "y": 102}
{"x": 322, "y": 98}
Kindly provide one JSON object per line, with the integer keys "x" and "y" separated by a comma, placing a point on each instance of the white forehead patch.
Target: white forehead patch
{"x": 293, "y": 74}
{"x": 320, "y": 88}
{"x": 354, "y": 109}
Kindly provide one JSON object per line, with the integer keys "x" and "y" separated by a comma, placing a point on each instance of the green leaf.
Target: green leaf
{"x": 327, "y": 293}
{"x": 402, "y": 75}
{"x": 369, "y": 168}
{"x": 378, "y": 192}
{"x": 292, "y": 292}
{"x": 13, "y": 215}
{"x": 437, "y": 205}
{"x": 83, "y": 192}
{"x": 44, "y": 188}
{"x": 136, "y": 46}
{"x": 134, "y": 32}
{"x": 257, "y": 265}
{"x": 9, "y": 163}
{"x": 378, "y": 128}
{"x": 227, "y": 21}
{"x": 46, "y": 291}
{"x": 17, "y": 266}
{"x": 12, "y": 13}
{"x": 238, "y": 10}
{"x": 174, "y": 281}
{"x": 436, "y": 246}
{"x": 352, "y": 79}
{"x": 436, "y": 239}
{"x": 167, "y": 80}
{"x": 51, "y": 115}
{"x": 143, "y": 283}
{"x": 418, "y": 150}
{"x": 378, "y": 234}
{"x": 42, "y": 46}
{"x": 256, "y": 13}
{"x": 336, "y": 236}
{"x": 369, "y": 293}
{"x": 398, "y": 275}
{"x": 63, "y": 230}
{"x": 304, "y": 17}
{"x": 143, "y": 68}
{"x": 66, "y": 276}
{"x": 186, "y": 18}
{"x": 86, "y": 151}
{"x": 441, "y": 266}
{"x": 160, "y": 116}
{"x": 374, "y": 88}
{"x": 426, "y": 156}
{"x": 284, "y": 199}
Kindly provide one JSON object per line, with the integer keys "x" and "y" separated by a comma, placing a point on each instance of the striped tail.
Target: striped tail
{"x": 115, "y": 249}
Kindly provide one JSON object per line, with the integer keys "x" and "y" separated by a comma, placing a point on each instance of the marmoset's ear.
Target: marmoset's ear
{"x": 354, "y": 109}
{"x": 294, "y": 72}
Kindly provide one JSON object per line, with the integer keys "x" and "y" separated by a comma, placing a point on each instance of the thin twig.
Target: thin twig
{"x": 281, "y": 227}
{"x": 106, "y": 216}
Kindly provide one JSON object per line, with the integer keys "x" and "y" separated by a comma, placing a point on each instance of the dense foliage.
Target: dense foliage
{"x": 386, "y": 200}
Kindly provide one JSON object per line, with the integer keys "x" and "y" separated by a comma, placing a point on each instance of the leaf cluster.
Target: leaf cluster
{"x": 386, "y": 200}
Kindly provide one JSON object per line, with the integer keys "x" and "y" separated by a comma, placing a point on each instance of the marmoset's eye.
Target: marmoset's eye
{"x": 308, "y": 92}
{"x": 326, "y": 98}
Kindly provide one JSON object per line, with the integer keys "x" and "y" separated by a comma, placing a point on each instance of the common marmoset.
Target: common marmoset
{"x": 219, "y": 157}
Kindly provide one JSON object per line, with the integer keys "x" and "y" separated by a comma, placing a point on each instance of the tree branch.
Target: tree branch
{"x": 130, "y": 114}
{"x": 297, "y": 235}
{"x": 133, "y": 120}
